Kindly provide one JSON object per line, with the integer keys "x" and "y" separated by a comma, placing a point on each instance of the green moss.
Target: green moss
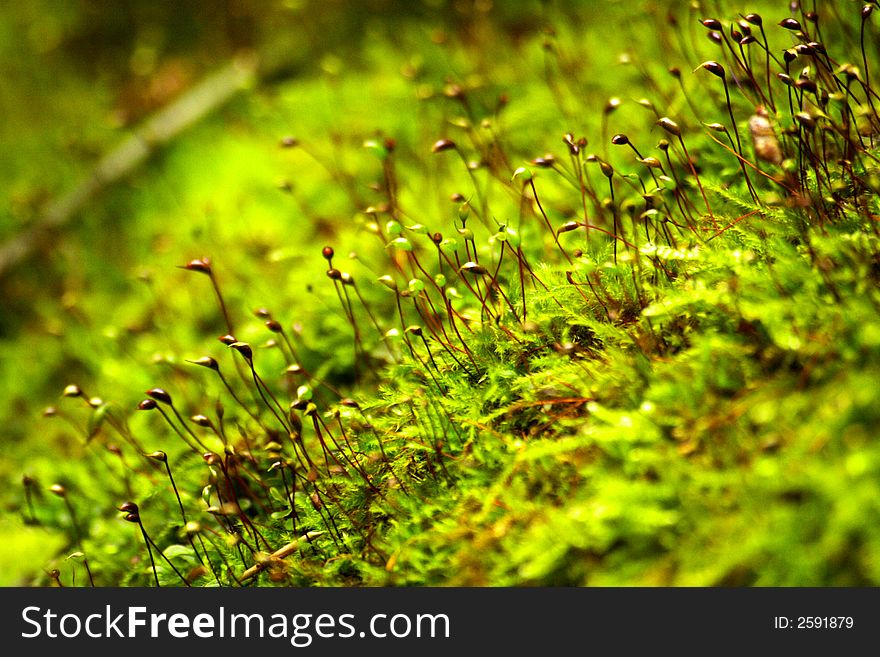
{"x": 489, "y": 400}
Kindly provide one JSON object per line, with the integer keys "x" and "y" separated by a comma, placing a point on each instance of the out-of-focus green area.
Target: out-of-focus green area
{"x": 97, "y": 298}
{"x": 81, "y": 77}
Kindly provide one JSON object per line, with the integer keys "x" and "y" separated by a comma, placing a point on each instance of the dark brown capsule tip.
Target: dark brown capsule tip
{"x": 206, "y": 361}
{"x": 442, "y": 145}
{"x": 159, "y": 395}
{"x": 227, "y": 339}
{"x": 807, "y": 85}
{"x": 544, "y": 162}
{"x": 201, "y": 420}
{"x": 807, "y": 121}
{"x": 669, "y": 126}
{"x": 474, "y": 268}
{"x": 132, "y": 517}
{"x": 867, "y": 10}
{"x": 128, "y": 507}
{"x": 244, "y": 349}
{"x": 334, "y": 274}
{"x": 327, "y": 252}
{"x": 754, "y": 19}
{"x": 147, "y": 405}
{"x": 711, "y": 23}
{"x": 202, "y": 265}
{"x": 714, "y": 68}
{"x": 620, "y": 140}
{"x": 274, "y": 325}
{"x": 790, "y": 24}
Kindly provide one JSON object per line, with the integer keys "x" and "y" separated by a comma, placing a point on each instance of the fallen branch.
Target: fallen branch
{"x": 163, "y": 126}
{"x": 278, "y": 554}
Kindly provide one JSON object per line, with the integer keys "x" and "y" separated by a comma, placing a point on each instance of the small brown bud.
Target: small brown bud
{"x": 244, "y": 349}
{"x": 442, "y": 145}
{"x": 612, "y": 104}
{"x": 202, "y": 420}
{"x": 202, "y": 265}
{"x": 159, "y": 395}
{"x": 669, "y": 126}
{"x": 714, "y": 68}
{"x": 474, "y": 268}
{"x": 544, "y": 162}
{"x": 72, "y": 391}
{"x": 206, "y": 361}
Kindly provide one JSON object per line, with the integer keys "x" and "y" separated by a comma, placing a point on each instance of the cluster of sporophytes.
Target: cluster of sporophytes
{"x": 646, "y": 357}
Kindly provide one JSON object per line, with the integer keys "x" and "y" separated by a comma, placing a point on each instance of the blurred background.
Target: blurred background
{"x": 139, "y": 135}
